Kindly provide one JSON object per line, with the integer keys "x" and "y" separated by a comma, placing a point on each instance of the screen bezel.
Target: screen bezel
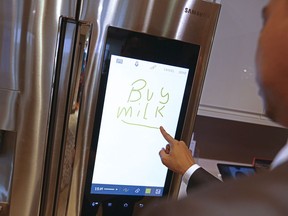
{"x": 182, "y": 55}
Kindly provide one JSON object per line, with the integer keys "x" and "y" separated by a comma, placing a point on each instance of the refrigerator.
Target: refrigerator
{"x": 51, "y": 58}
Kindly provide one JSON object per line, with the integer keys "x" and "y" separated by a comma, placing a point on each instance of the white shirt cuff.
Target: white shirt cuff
{"x": 189, "y": 172}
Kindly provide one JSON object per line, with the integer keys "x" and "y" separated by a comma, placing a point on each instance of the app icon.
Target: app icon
{"x": 125, "y": 205}
{"x": 148, "y": 191}
{"x": 109, "y": 204}
{"x": 95, "y": 204}
{"x": 158, "y": 191}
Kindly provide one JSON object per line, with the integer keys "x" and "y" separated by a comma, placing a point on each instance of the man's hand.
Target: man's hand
{"x": 176, "y": 156}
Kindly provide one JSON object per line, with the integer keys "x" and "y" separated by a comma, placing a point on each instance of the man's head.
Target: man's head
{"x": 272, "y": 61}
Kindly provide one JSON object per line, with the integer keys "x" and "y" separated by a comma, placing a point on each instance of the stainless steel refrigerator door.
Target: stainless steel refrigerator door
{"x": 191, "y": 21}
{"x": 28, "y": 33}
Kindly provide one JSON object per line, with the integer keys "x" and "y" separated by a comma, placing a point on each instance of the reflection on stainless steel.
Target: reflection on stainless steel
{"x": 77, "y": 92}
{"x": 57, "y": 129}
{"x": 7, "y": 152}
{"x": 9, "y": 103}
{"x": 4, "y": 209}
{"x": 67, "y": 93}
{"x": 69, "y": 83}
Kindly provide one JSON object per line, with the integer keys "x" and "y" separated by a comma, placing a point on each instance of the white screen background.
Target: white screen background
{"x": 128, "y": 145}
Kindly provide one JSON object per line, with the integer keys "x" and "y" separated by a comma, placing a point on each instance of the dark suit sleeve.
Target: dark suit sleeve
{"x": 199, "y": 178}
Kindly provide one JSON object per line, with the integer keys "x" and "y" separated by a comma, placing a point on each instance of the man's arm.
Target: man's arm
{"x": 178, "y": 158}
{"x": 199, "y": 178}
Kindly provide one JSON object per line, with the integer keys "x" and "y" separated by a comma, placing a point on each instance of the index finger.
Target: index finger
{"x": 167, "y": 136}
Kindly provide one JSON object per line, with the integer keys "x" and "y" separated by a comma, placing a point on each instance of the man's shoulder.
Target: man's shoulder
{"x": 266, "y": 191}
{"x": 262, "y": 194}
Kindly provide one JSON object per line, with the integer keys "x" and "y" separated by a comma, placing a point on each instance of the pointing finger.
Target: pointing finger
{"x": 167, "y": 136}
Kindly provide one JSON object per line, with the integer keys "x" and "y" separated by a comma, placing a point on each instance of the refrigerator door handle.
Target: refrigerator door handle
{"x": 69, "y": 80}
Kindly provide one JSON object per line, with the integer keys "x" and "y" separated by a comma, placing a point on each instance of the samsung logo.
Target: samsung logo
{"x": 195, "y": 12}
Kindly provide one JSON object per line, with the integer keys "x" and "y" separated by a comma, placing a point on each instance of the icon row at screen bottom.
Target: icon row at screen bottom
{"x": 111, "y": 204}
{"x": 126, "y": 190}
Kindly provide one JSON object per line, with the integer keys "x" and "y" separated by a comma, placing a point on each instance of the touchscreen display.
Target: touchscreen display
{"x": 140, "y": 97}
{"x": 145, "y": 83}
{"x": 228, "y": 171}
